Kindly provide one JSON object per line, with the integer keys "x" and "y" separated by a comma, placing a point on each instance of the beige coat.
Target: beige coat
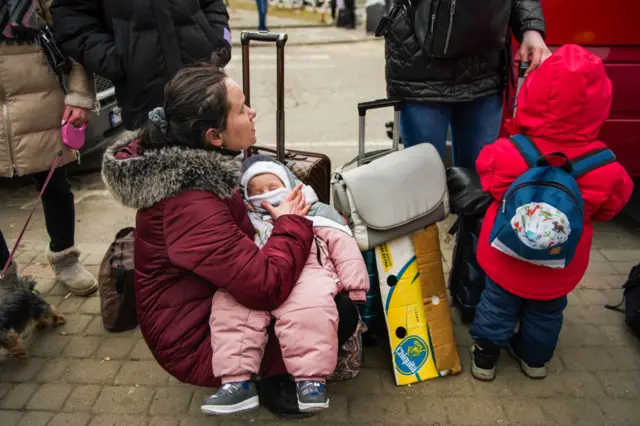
{"x": 32, "y": 104}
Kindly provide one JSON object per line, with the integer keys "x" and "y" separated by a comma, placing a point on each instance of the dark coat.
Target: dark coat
{"x": 413, "y": 76}
{"x": 193, "y": 236}
{"x": 140, "y": 45}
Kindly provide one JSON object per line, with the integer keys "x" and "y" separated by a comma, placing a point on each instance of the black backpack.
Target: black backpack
{"x": 631, "y": 301}
{"x": 469, "y": 202}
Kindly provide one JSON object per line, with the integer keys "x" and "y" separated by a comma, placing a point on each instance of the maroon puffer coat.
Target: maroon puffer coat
{"x": 193, "y": 236}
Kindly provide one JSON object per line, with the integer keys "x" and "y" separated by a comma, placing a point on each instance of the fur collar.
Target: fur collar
{"x": 140, "y": 180}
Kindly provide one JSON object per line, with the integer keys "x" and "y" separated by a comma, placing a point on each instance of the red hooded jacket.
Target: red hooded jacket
{"x": 561, "y": 106}
{"x": 193, "y": 236}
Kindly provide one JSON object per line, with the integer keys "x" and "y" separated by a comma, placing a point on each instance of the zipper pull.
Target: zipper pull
{"x": 79, "y": 155}
{"x": 504, "y": 204}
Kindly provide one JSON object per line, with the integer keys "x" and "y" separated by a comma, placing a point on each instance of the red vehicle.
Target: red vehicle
{"x": 611, "y": 31}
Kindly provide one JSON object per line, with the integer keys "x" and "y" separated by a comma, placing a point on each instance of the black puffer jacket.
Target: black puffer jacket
{"x": 413, "y": 76}
{"x": 140, "y": 44}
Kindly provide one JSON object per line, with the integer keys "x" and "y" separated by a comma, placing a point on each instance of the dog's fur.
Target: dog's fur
{"x": 142, "y": 179}
{"x": 19, "y": 305}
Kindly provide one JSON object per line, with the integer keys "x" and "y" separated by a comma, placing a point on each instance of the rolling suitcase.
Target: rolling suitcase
{"x": 312, "y": 168}
{"x": 469, "y": 202}
{"x": 375, "y": 10}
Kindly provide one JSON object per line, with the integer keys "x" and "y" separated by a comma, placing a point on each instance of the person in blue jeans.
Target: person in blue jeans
{"x": 263, "y": 5}
{"x": 474, "y": 124}
{"x": 457, "y": 79}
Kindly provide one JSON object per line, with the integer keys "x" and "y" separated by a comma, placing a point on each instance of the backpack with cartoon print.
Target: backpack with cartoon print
{"x": 541, "y": 216}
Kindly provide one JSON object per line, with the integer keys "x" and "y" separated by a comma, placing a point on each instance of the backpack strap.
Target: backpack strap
{"x": 591, "y": 161}
{"x": 527, "y": 149}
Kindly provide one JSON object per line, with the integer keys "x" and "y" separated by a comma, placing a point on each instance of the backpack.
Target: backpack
{"x": 116, "y": 284}
{"x": 631, "y": 301}
{"x": 470, "y": 203}
{"x": 541, "y": 215}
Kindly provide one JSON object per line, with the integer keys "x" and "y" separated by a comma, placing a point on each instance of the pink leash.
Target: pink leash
{"x": 24, "y": 228}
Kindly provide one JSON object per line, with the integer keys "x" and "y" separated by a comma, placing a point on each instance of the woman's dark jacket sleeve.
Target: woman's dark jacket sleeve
{"x": 82, "y": 34}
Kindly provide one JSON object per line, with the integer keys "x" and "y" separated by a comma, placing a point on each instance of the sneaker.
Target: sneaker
{"x": 484, "y": 357}
{"x": 232, "y": 398}
{"x": 532, "y": 372}
{"x": 312, "y": 396}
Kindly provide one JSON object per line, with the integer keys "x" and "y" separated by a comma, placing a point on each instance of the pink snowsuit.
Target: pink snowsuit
{"x": 306, "y": 323}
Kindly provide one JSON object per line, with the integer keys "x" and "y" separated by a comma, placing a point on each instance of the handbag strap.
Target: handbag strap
{"x": 24, "y": 228}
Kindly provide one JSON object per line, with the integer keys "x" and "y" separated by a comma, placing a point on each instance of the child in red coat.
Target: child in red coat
{"x": 561, "y": 107}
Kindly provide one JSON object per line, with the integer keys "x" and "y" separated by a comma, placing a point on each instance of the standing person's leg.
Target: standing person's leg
{"x": 60, "y": 218}
{"x": 493, "y": 325}
{"x": 474, "y": 124}
{"x": 537, "y": 338}
{"x": 262, "y": 14}
{"x": 4, "y": 251}
{"x": 59, "y": 209}
{"x": 238, "y": 340}
{"x": 425, "y": 122}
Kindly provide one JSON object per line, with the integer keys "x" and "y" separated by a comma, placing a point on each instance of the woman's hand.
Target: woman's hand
{"x": 294, "y": 203}
{"x": 76, "y": 116}
{"x": 533, "y": 49}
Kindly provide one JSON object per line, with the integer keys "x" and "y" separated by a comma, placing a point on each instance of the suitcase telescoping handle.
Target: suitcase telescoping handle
{"x": 363, "y": 107}
{"x": 522, "y": 71}
{"x": 280, "y": 39}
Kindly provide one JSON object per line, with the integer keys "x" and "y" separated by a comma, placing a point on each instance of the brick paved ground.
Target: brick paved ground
{"x": 81, "y": 375}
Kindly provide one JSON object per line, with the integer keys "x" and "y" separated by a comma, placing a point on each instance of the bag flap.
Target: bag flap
{"x": 466, "y": 196}
{"x": 399, "y": 187}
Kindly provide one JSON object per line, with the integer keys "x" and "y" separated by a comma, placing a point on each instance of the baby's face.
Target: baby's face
{"x": 263, "y": 183}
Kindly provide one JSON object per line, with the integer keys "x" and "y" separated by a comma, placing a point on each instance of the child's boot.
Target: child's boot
{"x": 484, "y": 357}
{"x": 232, "y": 398}
{"x": 536, "y": 372}
{"x": 312, "y": 396}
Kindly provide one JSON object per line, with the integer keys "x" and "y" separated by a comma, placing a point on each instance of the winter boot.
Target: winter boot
{"x": 71, "y": 273}
{"x": 484, "y": 357}
{"x": 536, "y": 372}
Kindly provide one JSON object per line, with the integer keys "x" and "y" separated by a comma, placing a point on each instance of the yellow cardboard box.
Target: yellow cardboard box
{"x": 416, "y": 307}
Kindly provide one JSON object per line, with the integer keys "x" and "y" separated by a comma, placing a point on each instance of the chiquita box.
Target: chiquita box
{"x": 416, "y": 308}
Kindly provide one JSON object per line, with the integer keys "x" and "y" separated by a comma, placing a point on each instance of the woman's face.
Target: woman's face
{"x": 240, "y": 132}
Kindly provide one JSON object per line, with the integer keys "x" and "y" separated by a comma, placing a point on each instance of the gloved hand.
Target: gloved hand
{"x": 533, "y": 49}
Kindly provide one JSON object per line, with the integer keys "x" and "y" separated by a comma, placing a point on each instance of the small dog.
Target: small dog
{"x": 20, "y": 304}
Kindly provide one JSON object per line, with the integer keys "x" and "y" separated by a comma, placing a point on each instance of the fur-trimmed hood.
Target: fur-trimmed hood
{"x": 141, "y": 179}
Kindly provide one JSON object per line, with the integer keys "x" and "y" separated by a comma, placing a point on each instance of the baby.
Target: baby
{"x": 307, "y": 322}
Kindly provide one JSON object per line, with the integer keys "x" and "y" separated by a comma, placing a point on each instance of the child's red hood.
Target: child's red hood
{"x": 566, "y": 99}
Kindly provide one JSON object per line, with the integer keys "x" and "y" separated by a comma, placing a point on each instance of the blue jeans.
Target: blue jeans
{"x": 540, "y": 323}
{"x": 262, "y": 14}
{"x": 474, "y": 124}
